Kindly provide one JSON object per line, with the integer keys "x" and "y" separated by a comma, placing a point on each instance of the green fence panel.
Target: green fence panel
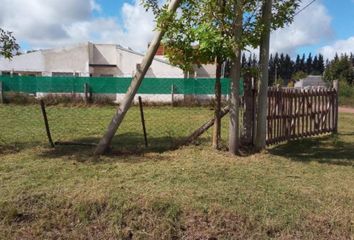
{"x": 113, "y": 85}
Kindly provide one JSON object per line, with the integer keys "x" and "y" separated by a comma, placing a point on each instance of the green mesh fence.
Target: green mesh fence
{"x": 112, "y": 85}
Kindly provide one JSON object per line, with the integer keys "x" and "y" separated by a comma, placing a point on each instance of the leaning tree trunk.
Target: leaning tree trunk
{"x": 133, "y": 88}
{"x": 262, "y": 105}
{"x": 234, "y": 135}
{"x": 217, "y": 117}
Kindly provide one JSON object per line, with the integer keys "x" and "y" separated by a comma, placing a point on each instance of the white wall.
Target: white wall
{"x": 205, "y": 71}
{"x": 128, "y": 60}
{"x": 101, "y": 71}
{"x": 104, "y": 54}
{"x": 25, "y": 63}
{"x": 77, "y": 59}
{"x": 70, "y": 59}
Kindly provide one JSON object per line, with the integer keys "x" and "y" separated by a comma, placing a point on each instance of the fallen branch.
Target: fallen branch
{"x": 204, "y": 127}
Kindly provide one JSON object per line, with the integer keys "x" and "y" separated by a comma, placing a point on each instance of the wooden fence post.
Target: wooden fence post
{"x": 336, "y": 104}
{"x": 86, "y": 93}
{"x": 1, "y": 93}
{"x": 44, "y": 113}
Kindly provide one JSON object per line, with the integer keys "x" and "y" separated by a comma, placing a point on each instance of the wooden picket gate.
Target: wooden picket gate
{"x": 299, "y": 113}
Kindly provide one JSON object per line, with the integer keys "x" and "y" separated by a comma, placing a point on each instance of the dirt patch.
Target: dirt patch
{"x": 346, "y": 110}
{"x": 217, "y": 225}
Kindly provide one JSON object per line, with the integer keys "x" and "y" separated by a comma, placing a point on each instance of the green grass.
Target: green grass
{"x": 298, "y": 190}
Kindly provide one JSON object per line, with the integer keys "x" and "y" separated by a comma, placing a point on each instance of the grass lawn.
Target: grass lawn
{"x": 298, "y": 190}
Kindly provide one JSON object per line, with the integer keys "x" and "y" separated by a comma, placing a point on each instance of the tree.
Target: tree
{"x": 163, "y": 24}
{"x": 260, "y": 140}
{"x": 302, "y": 64}
{"x": 320, "y": 65}
{"x": 201, "y": 34}
{"x": 8, "y": 45}
{"x": 299, "y": 75}
{"x": 297, "y": 63}
{"x": 340, "y": 68}
{"x": 309, "y": 64}
{"x": 269, "y": 21}
{"x": 314, "y": 70}
{"x": 234, "y": 142}
{"x": 205, "y": 31}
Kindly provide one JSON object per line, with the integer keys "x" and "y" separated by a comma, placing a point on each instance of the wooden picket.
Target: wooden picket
{"x": 298, "y": 113}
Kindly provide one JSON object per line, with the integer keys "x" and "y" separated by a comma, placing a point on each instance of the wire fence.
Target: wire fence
{"x": 169, "y": 119}
{"x": 166, "y": 126}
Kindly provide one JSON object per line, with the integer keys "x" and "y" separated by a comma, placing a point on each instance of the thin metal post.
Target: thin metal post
{"x": 143, "y": 121}
{"x": 46, "y": 123}
{"x": 173, "y": 95}
{"x": 1, "y": 93}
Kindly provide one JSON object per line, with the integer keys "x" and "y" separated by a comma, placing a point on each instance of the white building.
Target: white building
{"x": 311, "y": 81}
{"x": 98, "y": 60}
{"x": 85, "y": 60}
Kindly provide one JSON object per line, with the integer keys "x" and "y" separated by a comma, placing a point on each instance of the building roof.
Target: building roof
{"x": 311, "y": 81}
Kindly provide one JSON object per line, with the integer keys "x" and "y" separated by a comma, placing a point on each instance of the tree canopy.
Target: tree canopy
{"x": 341, "y": 68}
{"x": 204, "y": 30}
{"x": 8, "y": 45}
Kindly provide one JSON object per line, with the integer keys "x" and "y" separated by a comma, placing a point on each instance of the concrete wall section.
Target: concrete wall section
{"x": 128, "y": 60}
{"x": 153, "y": 98}
{"x": 101, "y": 71}
{"x": 205, "y": 71}
{"x": 103, "y": 54}
{"x": 72, "y": 59}
{"x": 88, "y": 58}
{"x": 30, "y": 62}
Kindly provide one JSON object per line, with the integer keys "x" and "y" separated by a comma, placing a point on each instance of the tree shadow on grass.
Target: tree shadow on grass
{"x": 326, "y": 149}
{"x": 125, "y": 145}
{"x": 17, "y": 147}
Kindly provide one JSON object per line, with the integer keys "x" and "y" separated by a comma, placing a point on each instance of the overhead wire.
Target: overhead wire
{"x": 308, "y": 5}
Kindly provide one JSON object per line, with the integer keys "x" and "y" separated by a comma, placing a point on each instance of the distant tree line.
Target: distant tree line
{"x": 283, "y": 69}
{"x": 341, "y": 68}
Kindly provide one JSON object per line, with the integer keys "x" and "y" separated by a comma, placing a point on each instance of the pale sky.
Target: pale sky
{"x": 326, "y": 27}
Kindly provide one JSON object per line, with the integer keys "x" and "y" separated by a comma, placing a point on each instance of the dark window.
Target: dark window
{"x": 62, "y": 74}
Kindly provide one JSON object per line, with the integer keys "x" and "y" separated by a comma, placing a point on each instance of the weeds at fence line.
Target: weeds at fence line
{"x": 19, "y": 98}
{"x": 56, "y": 99}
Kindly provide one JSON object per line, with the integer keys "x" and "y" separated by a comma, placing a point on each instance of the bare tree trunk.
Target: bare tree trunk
{"x": 217, "y": 118}
{"x": 262, "y": 104}
{"x": 234, "y": 135}
{"x": 133, "y": 88}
